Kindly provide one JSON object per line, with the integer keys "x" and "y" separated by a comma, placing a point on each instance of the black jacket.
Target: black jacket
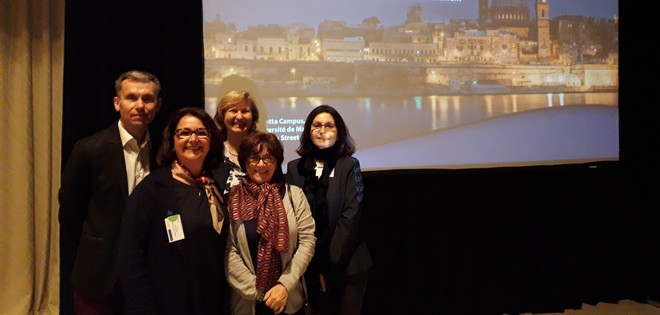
{"x": 92, "y": 198}
{"x": 348, "y": 252}
{"x": 182, "y": 277}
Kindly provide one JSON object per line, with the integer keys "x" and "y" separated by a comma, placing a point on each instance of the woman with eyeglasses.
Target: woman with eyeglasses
{"x": 332, "y": 181}
{"x": 271, "y": 235}
{"x": 175, "y": 226}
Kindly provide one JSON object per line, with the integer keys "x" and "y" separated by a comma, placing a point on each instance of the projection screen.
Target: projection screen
{"x": 427, "y": 84}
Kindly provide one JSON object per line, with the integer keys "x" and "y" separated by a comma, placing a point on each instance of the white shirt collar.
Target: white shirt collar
{"x": 126, "y": 136}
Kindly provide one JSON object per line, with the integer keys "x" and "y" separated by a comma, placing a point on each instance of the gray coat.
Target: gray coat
{"x": 241, "y": 274}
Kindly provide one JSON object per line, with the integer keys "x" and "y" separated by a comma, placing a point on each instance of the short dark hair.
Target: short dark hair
{"x": 166, "y": 154}
{"x": 257, "y": 142}
{"x": 137, "y": 76}
{"x": 344, "y": 139}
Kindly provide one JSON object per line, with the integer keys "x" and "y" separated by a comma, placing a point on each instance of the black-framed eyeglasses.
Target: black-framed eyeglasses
{"x": 268, "y": 159}
{"x": 185, "y": 133}
{"x": 328, "y": 126}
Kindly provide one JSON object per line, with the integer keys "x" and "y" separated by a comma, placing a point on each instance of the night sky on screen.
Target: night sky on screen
{"x": 246, "y": 13}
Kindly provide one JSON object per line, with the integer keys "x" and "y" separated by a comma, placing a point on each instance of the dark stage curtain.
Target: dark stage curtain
{"x": 105, "y": 38}
{"x": 507, "y": 240}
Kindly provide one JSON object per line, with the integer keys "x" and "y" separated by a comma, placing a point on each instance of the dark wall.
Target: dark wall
{"x": 475, "y": 241}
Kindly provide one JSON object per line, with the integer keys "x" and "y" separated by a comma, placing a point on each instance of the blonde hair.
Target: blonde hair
{"x": 229, "y": 100}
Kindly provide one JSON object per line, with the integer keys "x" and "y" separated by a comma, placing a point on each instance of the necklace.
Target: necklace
{"x": 229, "y": 151}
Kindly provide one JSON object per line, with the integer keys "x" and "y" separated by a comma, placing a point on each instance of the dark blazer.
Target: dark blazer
{"x": 348, "y": 251}
{"x": 182, "y": 277}
{"x": 92, "y": 197}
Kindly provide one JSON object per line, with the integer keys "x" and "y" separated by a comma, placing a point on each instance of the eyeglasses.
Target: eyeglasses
{"x": 254, "y": 159}
{"x": 185, "y": 133}
{"x": 317, "y": 126}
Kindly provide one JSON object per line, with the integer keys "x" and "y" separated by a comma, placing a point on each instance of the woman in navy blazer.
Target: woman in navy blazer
{"x": 332, "y": 181}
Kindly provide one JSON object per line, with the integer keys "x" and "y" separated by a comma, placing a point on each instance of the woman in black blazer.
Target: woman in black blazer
{"x": 332, "y": 181}
{"x": 175, "y": 227}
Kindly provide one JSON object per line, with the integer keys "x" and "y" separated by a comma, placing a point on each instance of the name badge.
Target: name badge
{"x": 174, "y": 228}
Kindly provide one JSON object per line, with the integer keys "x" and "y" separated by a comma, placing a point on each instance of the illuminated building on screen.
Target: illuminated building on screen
{"x": 506, "y": 45}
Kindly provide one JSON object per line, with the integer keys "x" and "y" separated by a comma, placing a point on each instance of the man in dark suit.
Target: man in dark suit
{"x": 99, "y": 176}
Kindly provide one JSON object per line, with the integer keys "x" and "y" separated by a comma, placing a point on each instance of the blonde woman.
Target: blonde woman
{"x": 236, "y": 117}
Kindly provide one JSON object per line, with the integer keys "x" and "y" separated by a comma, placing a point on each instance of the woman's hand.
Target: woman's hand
{"x": 276, "y": 298}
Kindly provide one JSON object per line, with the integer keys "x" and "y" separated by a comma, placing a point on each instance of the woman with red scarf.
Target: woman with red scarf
{"x": 271, "y": 235}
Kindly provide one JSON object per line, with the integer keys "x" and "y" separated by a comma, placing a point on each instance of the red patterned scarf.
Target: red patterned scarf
{"x": 263, "y": 202}
{"x": 212, "y": 193}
